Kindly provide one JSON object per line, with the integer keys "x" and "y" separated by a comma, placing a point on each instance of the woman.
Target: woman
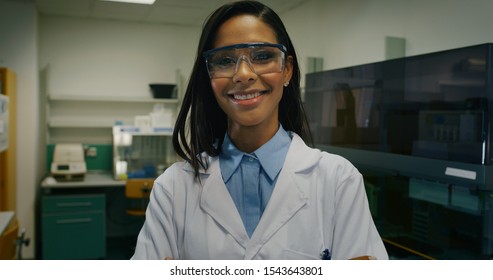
{"x": 249, "y": 187}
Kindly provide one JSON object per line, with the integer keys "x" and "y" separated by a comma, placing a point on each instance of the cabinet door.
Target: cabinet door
{"x": 73, "y": 203}
{"x": 74, "y": 236}
{"x": 73, "y": 227}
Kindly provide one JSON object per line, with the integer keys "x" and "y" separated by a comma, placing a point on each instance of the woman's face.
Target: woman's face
{"x": 249, "y": 99}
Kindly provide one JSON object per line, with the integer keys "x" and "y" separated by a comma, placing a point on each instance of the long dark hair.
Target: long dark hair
{"x": 201, "y": 124}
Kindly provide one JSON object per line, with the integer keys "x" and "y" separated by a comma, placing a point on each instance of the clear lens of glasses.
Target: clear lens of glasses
{"x": 262, "y": 58}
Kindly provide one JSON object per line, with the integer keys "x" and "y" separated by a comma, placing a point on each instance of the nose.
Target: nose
{"x": 244, "y": 71}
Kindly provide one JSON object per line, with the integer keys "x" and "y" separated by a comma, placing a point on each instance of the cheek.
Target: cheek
{"x": 218, "y": 87}
{"x": 275, "y": 82}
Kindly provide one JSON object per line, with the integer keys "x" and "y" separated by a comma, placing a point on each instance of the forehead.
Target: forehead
{"x": 243, "y": 29}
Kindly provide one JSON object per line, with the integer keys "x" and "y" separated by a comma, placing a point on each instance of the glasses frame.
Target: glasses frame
{"x": 208, "y": 53}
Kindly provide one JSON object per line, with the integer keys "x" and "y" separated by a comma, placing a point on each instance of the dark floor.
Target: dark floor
{"x": 120, "y": 248}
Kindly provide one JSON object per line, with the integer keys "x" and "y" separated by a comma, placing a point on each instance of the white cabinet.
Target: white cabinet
{"x": 89, "y": 119}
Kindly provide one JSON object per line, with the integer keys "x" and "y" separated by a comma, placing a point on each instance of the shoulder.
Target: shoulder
{"x": 303, "y": 157}
{"x": 174, "y": 175}
{"x": 180, "y": 175}
{"x": 336, "y": 161}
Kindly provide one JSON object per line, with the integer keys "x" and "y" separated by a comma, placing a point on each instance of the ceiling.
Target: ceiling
{"x": 181, "y": 12}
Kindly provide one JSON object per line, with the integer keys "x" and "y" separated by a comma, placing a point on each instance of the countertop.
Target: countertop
{"x": 91, "y": 179}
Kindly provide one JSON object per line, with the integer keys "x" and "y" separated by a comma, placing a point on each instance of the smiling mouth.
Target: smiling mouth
{"x": 242, "y": 96}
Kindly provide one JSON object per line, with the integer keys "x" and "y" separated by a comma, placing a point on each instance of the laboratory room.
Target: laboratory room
{"x": 394, "y": 97}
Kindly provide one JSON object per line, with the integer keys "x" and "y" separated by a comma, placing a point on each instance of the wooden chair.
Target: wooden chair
{"x": 137, "y": 192}
{"x": 8, "y": 242}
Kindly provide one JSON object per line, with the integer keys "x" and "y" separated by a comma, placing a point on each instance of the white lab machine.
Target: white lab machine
{"x": 68, "y": 162}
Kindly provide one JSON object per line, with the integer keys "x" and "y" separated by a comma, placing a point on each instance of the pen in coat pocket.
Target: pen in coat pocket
{"x": 326, "y": 255}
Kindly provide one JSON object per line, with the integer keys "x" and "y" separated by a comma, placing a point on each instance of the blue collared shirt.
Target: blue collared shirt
{"x": 250, "y": 178}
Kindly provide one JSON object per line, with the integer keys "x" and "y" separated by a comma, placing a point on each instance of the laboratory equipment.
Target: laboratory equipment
{"x": 68, "y": 162}
{"x": 141, "y": 152}
{"x": 419, "y": 129}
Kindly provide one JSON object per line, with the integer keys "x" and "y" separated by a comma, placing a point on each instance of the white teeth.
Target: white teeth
{"x": 247, "y": 96}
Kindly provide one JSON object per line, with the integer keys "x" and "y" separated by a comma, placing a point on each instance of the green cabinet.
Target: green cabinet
{"x": 73, "y": 227}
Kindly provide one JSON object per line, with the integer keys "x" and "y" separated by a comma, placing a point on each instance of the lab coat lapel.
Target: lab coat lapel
{"x": 285, "y": 201}
{"x": 217, "y": 202}
{"x": 287, "y": 198}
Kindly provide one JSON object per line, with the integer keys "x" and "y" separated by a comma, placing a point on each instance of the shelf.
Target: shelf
{"x": 89, "y": 118}
{"x": 143, "y": 131}
{"x": 453, "y": 172}
{"x": 66, "y": 122}
{"x": 122, "y": 99}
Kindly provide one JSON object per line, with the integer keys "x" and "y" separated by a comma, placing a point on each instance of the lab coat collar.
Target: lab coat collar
{"x": 300, "y": 157}
{"x": 287, "y": 199}
{"x": 217, "y": 202}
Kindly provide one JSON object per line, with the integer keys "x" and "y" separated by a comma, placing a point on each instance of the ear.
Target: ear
{"x": 288, "y": 69}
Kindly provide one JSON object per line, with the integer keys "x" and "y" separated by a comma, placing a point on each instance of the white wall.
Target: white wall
{"x": 112, "y": 58}
{"x": 344, "y": 32}
{"x": 352, "y": 32}
{"x": 18, "y": 51}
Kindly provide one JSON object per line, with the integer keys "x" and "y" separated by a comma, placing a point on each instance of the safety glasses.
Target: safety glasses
{"x": 262, "y": 58}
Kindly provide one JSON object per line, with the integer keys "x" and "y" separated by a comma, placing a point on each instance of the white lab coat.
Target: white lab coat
{"x": 319, "y": 202}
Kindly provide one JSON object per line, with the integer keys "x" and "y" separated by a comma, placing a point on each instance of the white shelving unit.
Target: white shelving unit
{"x": 89, "y": 119}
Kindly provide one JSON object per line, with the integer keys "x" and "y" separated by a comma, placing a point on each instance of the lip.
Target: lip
{"x": 247, "y": 97}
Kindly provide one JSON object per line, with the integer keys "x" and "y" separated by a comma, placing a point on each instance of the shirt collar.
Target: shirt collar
{"x": 271, "y": 155}
{"x": 229, "y": 158}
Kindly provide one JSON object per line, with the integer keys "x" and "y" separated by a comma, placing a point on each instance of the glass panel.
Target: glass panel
{"x": 418, "y": 129}
{"x": 421, "y": 219}
{"x": 433, "y": 105}
{"x": 141, "y": 153}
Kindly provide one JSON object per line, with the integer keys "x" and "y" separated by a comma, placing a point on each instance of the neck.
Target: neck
{"x": 250, "y": 138}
